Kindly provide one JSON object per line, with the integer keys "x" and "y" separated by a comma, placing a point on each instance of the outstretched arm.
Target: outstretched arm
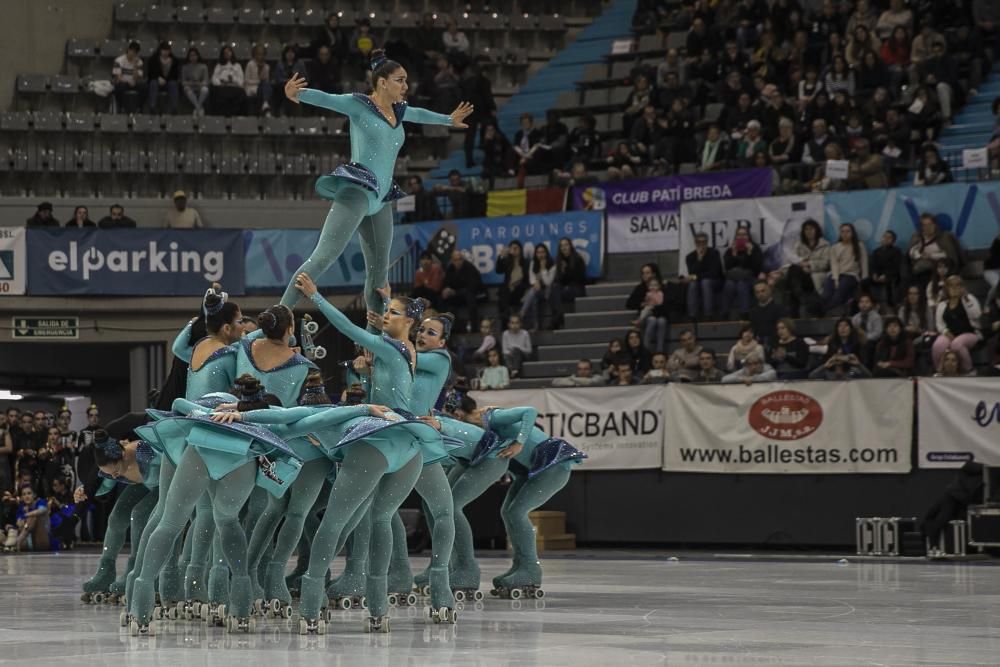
{"x": 182, "y": 348}
{"x": 326, "y": 419}
{"x": 366, "y": 339}
{"x": 425, "y": 117}
{"x": 186, "y": 407}
{"x": 296, "y": 91}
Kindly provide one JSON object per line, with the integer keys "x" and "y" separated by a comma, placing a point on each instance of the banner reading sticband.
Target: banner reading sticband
{"x": 958, "y": 421}
{"x": 618, "y": 428}
{"x": 801, "y": 427}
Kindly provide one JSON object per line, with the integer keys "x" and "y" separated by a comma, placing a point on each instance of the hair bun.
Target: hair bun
{"x": 377, "y": 57}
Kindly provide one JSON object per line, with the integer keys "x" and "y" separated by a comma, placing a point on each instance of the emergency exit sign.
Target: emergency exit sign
{"x": 36, "y": 328}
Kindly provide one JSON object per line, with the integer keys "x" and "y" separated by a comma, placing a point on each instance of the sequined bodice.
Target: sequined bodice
{"x": 392, "y": 379}
{"x": 217, "y": 374}
{"x": 375, "y": 142}
{"x": 433, "y": 369}
{"x": 284, "y": 381}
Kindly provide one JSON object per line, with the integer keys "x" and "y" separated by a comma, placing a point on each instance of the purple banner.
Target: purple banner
{"x": 644, "y": 215}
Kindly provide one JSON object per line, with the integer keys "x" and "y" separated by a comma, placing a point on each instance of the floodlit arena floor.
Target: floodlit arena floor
{"x": 602, "y": 608}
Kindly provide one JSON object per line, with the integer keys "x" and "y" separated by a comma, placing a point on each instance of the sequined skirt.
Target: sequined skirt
{"x": 553, "y": 452}
{"x": 358, "y": 175}
{"x": 399, "y": 440}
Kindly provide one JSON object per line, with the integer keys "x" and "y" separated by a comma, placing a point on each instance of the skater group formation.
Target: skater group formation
{"x": 255, "y": 462}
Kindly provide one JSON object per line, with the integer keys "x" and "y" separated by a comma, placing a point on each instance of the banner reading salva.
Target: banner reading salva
{"x": 643, "y": 215}
{"x": 618, "y": 428}
{"x": 958, "y": 421}
{"x": 802, "y": 427}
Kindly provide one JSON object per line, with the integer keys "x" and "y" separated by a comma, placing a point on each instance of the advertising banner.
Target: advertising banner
{"x": 135, "y": 262}
{"x": 971, "y": 211}
{"x": 643, "y": 215}
{"x": 958, "y": 421}
{"x": 782, "y": 427}
{"x": 774, "y": 224}
{"x": 12, "y": 261}
{"x": 619, "y": 428}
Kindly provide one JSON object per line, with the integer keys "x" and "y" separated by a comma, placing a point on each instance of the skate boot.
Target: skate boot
{"x": 95, "y": 589}
{"x": 524, "y": 582}
{"x": 240, "y": 597}
{"x": 141, "y": 607}
{"x": 465, "y": 580}
{"x": 195, "y": 591}
{"x": 400, "y": 582}
{"x": 348, "y": 591}
{"x": 310, "y": 608}
{"x": 375, "y": 624}
{"x": 442, "y": 608}
{"x": 421, "y": 580}
{"x": 171, "y": 590}
{"x": 116, "y": 591}
{"x": 279, "y": 600}
{"x": 378, "y": 605}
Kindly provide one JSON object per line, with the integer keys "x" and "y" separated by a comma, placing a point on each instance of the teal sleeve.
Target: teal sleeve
{"x": 523, "y": 418}
{"x": 344, "y": 104}
{"x": 425, "y": 117}
{"x": 470, "y": 434}
{"x": 435, "y": 363}
{"x": 277, "y": 415}
{"x": 182, "y": 348}
{"x": 344, "y": 325}
{"x": 326, "y": 419}
{"x": 186, "y": 407}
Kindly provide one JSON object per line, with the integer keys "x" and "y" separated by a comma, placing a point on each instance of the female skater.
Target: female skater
{"x": 386, "y": 467}
{"x": 362, "y": 189}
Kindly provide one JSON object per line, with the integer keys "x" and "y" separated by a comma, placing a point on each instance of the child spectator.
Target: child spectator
{"x": 615, "y": 349}
{"x": 843, "y": 355}
{"x": 516, "y": 345}
{"x": 541, "y": 273}
{"x": 624, "y": 375}
{"x": 31, "y": 522}
{"x": 654, "y": 325}
{"x": 958, "y": 325}
{"x": 869, "y": 323}
{"x": 788, "y": 354}
{"x": 583, "y": 377}
{"x": 743, "y": 348}
{"x": 659, "y": 373}
{"x": 950, "y": 366}
{"x": 683, "y": 363}
{"x": 707, "y": 372}
{"x": 488, "y": 342}
{"x": 894, "y": 354}
{"x": 495, "y": 375}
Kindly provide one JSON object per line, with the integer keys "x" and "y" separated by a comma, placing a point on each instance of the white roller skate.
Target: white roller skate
{"x": 315, "y": 626}
{"x": 137, "y": 630}
{"x": 214, "y": 614}
{"x": 10, "y": 543}
{"x": 468, "y": 594}
{"x": 377, "y": 624}
{"x": 347, "y": 602}
{"x": 402, "y": 599}
{"x": 246, "y": 625}
{"x": 308, "y": 329}
{"x": 517, "y": 592}
{"x": 442, "y": 615}
{"x": 279, "y": 609}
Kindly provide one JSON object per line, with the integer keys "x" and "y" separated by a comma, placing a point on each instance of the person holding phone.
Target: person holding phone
{"x": 743, "y": 261}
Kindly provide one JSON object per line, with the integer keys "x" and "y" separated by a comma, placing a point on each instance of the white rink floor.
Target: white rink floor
{"x": 598, "y": 611}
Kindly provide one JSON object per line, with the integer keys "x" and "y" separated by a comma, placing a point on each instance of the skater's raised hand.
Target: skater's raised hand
{"x": 305, "y": 284}
{"x": 460, "y": 113}
{"x": 294, "y": 86}
{"x": 79, "y": 495}
{"x": 374, "y": 320}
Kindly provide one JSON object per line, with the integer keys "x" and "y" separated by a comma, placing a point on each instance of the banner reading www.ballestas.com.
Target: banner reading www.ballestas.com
{"x": 863, "y": 426}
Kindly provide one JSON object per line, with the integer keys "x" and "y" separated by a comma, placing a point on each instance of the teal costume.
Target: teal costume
{"x": 284, "y": 381}
{"x": 362, "y": 189}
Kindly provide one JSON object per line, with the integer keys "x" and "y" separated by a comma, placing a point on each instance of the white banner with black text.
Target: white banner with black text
{"x": 958, "y": 421}
{"x": 618, "y": 428}
{"x": 801, "y": 427}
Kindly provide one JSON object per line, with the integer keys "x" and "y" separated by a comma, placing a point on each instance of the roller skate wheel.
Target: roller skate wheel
{"x": 539, "y": 593}
{"x": 303, "y": 627}
{"x": 123, "y": 619}
{"x": 310, "y": 327}
{"x": 157, "y": 611}
{"x": 173, "y": 613}
{"x": 478, "y": 596}
{"x": 321, "y": 627}
{"x": 411, "y": 600}
{"x": 393, "y": 600}
{"x": 99, "y": 598}
{"x": 275, "y": 606}
{"x": 133, "y": 628}
{"x": 286, "y": 612}
{"x": 152, "y": 628}
{"x": 329, "y": 615}
{"x": 344, "y": 603}
{"x": 202, "y": 611}
{"x": 425, "y": 590}
{"x": 319, "y": 353}
{"x": 364, "y": 602}
{"x": 85, "y": 598}
{"x": 459, "y": 596}
{"x": 515, "y": 594}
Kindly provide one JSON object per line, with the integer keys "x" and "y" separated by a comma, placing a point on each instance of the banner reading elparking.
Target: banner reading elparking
{"x": 134, "y": 261}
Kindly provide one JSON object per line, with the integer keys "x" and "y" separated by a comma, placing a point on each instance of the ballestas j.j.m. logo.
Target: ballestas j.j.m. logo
{"x": 785, "y": 415}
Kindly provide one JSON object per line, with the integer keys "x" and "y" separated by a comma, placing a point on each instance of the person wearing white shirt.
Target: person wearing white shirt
{"x": 257, "y": 80}
{"x": 541, "y": 273}
{"x": 128, "y": 77}
{"x": 228, "y": 95}
{"x": 454, "y": 39}
{"x": 516, "y": 345}
{"x": 754, "y": 370}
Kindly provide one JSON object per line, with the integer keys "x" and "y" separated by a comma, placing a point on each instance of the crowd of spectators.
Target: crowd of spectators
{"x": 178, "y": 216}
{"x": 47, "y": 474}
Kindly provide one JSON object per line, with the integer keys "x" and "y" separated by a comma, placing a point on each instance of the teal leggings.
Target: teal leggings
{"x": 200, "y": 537}
{"x": 114, "y": 538}
{"x": 524, "y": 496}
{"x": 435, "y": 491}
{"x": 228, "y": 497}
{"x": 349, "y": 214}
{"x": 362, "y": 474}
{"x": 468, "y": 483}
{"x": 167, "y": 470}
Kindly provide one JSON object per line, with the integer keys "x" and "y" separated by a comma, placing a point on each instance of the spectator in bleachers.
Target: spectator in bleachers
{"x": 932, "y": 170}
{"x": 704, "y": 277}
{"x": 895, "y": 355}
{"x": 582, "y": 377}
{"x": 447, "y": 92}
{"x": 742, "y": 262}
{"x": 116, "y": 219}
{"x": 940, "y": 72}
{"x": 181, "y": 216}
{"x": 896, "y": 56}
{"x": 638, "y": 99}
{"x": 809, "y": 87}
{"x": 765, "y": 312}
{"x": 671, "y": 64}
{"x": 541, "y": 274}
{"x": 924, "y": 115}
{"x": 646, "y": 273}
{"x": 81, "y": 218}
{"x": 324, "y": 72}
{"x": 495, "y": 375}
{"x": 707, "y": 372}
{"x": 957, "y": 321}
{"x": 570, "y": 280}
{"x": 516, "y": 345}
{"x": 624, "y": 374}
{"x": 652, "y": 317}
{"x": 803, "y": 281}
{"x": 425, "y": 207}
{"x": 659, "y": 373}
{"x": 750, "y": 145}
{"x": 739, "y": 108}
{"x": 128, "y": 79}
{"x": 194, "y": 81}
{"x": 950, "y": 366}
{"x": 848, "y": 268}
{"x": 164, "y": 72}
{"x": 671, "y": 91}
{"x": 228, "y": 96}
{"x": 929, "y": 245}
{"x": 785, "y": 149}
{"x": 777, "y": 107}
{"x": 843, "y": 355}
{"x": 913, "y": 313}
{"x": 616, "y": 347}
{"x": 896, "y": 16}
{"x": 553, "y": 149}
{"x": 427, "y": 39}
{"x": 477, "y": 90}
{"x": 645, "y": 135}
{"x": 462, "y": 286}
{"x": 638, "y": 353}
{"x": 363, "y": 41}
{"x": 32, "y": 522}
{"x": 683, "y": 363}
{"x": 814, "y": 151}
{"x": 866, "y": 169}
{"x": 289, "y": 66}
{"x": 714, "y": 150}
{"x": 788, "y": 353}
{"x": 991, "y": 267}
{"x": 991, "y": 330}
{"x": 259, "y": 89}
{"x": 428, "y": 281}
{"x": 332, "y": 36}
{"x": 498, "y": 155}
{"x": 886, "y": 269}
{"x": 487, "y": 341}
{"x": 623, "y": 163}
{"x": 453, "y": 38}
{"x": 868, "y": 321}
{"x": 746, "y": 344}
{"x": 42, "y": 217}
{"x": 935, "y": 292}
{"x": 920, "y": 49}
{"x": 754, "y": 370}
{"x": 514, "y": 267}
{"x": 584, "y": 143}
{"x": 526, "y": 144}
{"x": 699, "y": 38}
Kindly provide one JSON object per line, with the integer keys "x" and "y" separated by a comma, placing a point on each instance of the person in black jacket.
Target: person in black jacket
{"x": 704, "y": 277}
{"x": 331, "y": 35}
{"x": 966, "y": 489}
{"x": 164, "y": 74}
{"x": 116, "y": 219}
{"x": 463, "y": 286}
{"x": 513, "y": 266}
{"x": 765, "y": 313}
{"x": 886, "y": 271}
{"x": 498, "y": 155}
{"x": 635, "y": 299}
{"x": 742, "y": 262}
{"x": 42, "y": 217}
{"x": 478, "y": 91}
{"x": 570, "y": 281}
{"x": 788, "y": 353}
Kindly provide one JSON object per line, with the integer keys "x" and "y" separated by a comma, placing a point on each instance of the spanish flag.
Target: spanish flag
{"x": 521, "y": 202}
